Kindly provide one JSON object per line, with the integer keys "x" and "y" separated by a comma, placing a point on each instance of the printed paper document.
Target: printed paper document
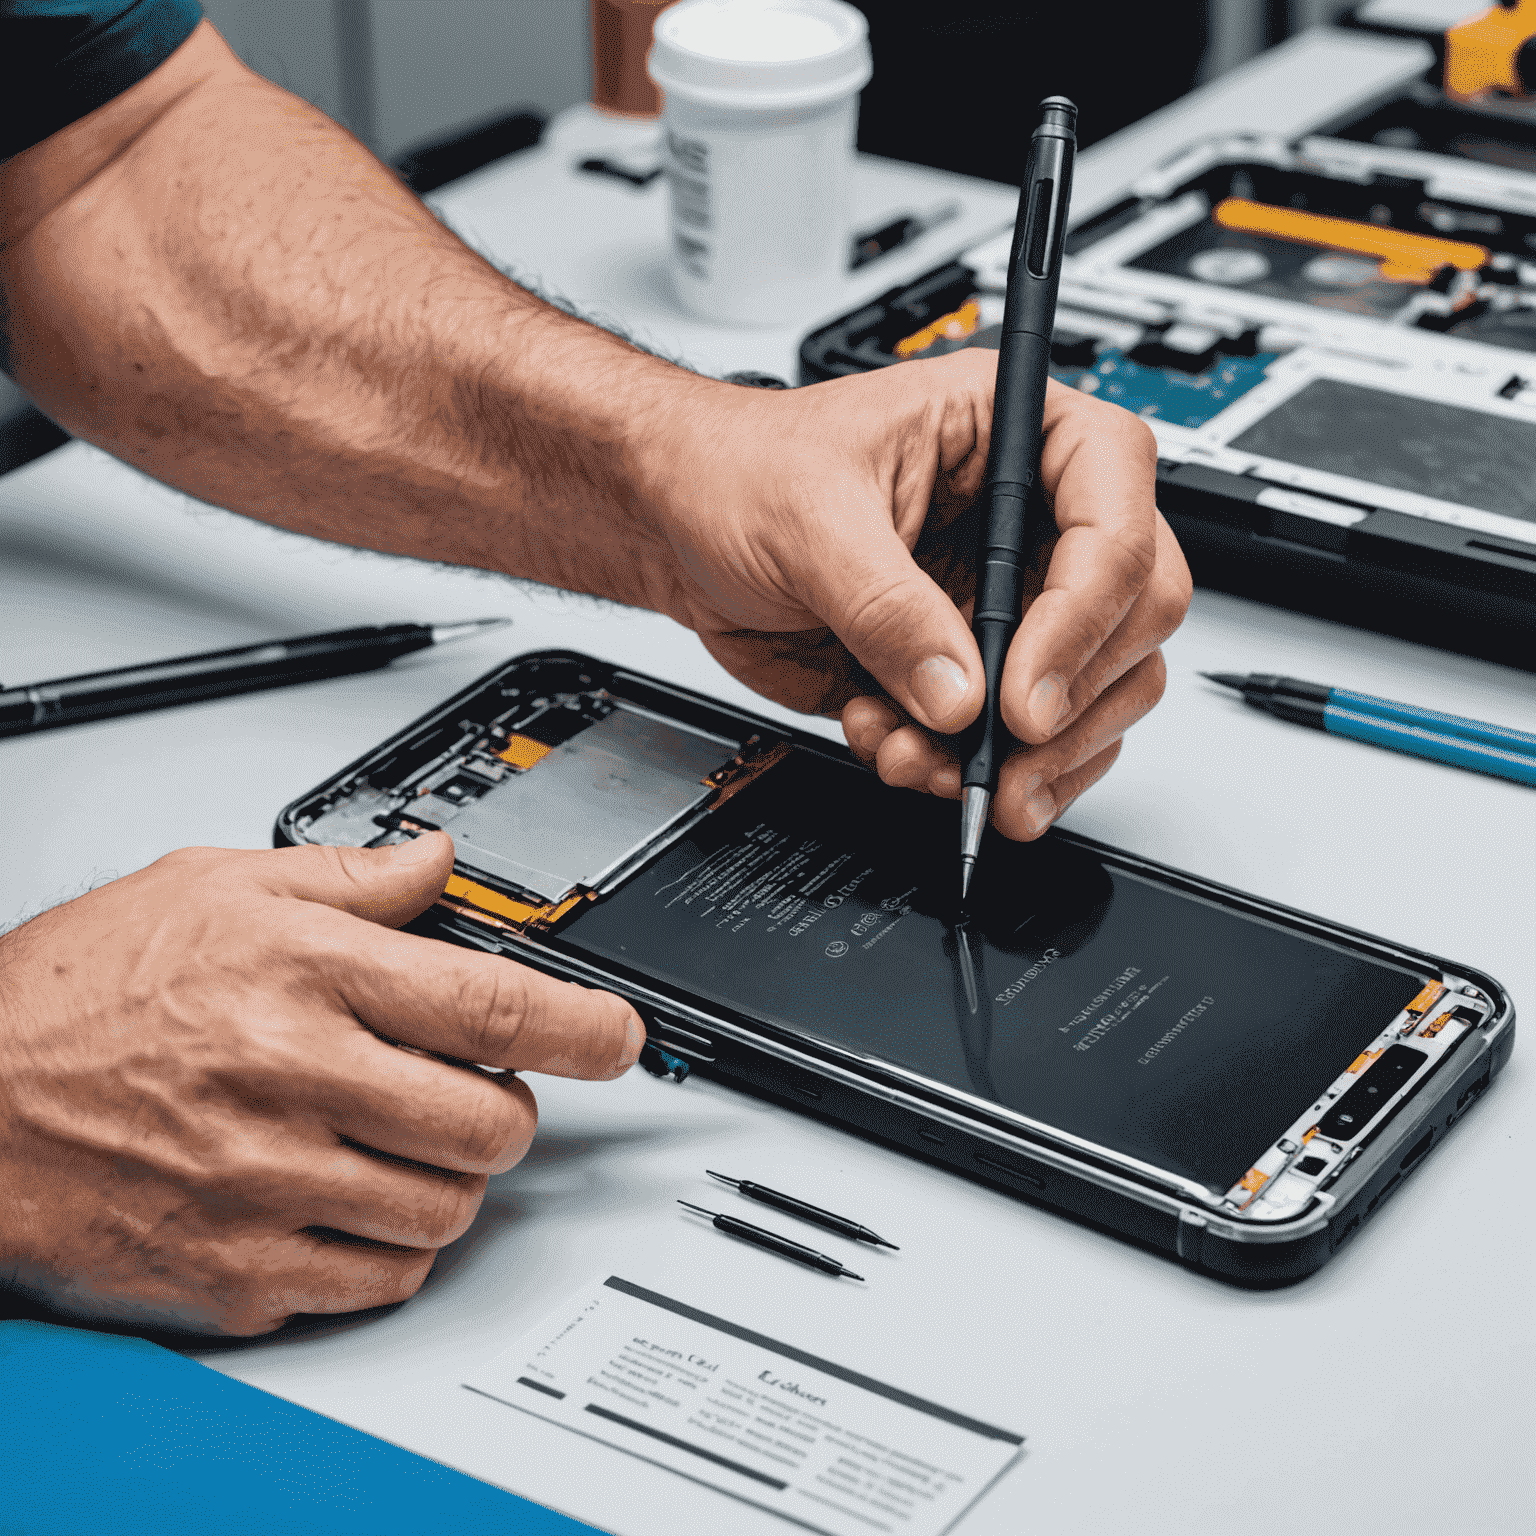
{"x": 821, "y": 1445}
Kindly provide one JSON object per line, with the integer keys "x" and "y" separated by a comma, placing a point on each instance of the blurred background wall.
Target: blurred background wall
{"x": 949, "y": 74}
{"x": 400, "y": 72}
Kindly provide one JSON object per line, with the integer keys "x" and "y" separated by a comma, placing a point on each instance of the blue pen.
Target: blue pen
{"x": 1454, "y": 739}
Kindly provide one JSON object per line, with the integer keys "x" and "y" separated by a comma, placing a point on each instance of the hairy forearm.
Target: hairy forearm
{"x": 244, "y": 303}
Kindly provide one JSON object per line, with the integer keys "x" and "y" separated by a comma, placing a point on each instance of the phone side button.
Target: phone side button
{"x": 1013, "y": 1170}
{"x": 666, "y": 1032}
{"x": 1191, "y": 1235}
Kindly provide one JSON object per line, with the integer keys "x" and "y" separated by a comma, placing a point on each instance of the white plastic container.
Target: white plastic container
{"x": 760, "y": 106}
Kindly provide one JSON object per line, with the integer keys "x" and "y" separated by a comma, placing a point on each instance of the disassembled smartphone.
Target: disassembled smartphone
{"x": 1335, "y": 345}
{"x": 1204, "y": 1072}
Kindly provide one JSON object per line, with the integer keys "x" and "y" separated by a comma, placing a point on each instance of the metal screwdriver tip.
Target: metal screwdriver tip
{"x": 975, "y": 802}
{"x": 699, "y": 1208}
{"x": 734, "y": 1183}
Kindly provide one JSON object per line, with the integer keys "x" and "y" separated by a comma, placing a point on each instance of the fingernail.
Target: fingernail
{"x": 1039, "y": 811}
{"x": 938, "y": 685}
{"x": 636, "y": 1042}
{"x": 417, "y": 851}
{"x": 870, "y": 738}
{"x": 1048, "y": 702}
{"x": 946, "y": 781}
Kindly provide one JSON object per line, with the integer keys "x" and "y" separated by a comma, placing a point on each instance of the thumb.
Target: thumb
{"x": 384, "y": 885}
{"x": 903, "y": 628}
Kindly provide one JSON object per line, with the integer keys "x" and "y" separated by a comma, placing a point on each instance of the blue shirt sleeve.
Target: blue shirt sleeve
{"x": 60, "y": 59}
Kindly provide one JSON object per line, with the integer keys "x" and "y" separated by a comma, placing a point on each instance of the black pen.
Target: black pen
{"x": 1014, "y": 510}
{"x": 214, "y": 674}
{"x": 813, "y": 1213}
{"x": 761, "y": 1237}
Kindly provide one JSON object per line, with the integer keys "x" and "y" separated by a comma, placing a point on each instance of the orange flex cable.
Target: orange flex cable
{"x": 1404, "y": 258}
{"x": 1432, "y": 993}
{"x": 1481, "y": 53}
{"x": 487, "y": 900}
{"x": 552, "y": 915}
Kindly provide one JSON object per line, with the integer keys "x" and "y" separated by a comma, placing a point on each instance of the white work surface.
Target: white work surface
{"x": 1391, "y": 1392}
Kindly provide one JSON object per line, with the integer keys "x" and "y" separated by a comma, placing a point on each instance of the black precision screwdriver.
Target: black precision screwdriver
{"x": 1016, "y": 518}
{"x": 787, "y": 1203}
{"x": 761, "y": 1237}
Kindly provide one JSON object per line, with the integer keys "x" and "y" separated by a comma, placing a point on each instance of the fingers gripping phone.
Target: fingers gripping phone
{"x": 1195, "y": 1069}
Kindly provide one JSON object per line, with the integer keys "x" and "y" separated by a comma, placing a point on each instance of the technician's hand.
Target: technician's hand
{"x": 826, "y": 542}
{"x": 202, "y": 1124}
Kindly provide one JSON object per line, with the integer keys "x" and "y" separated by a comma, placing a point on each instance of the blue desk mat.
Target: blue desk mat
{"x": 102, "y": 1435}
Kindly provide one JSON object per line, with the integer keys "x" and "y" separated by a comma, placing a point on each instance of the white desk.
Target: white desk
{"x": 1389, "y": 1393}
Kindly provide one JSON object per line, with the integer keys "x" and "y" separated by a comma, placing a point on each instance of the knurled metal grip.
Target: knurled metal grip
{"x": 998, "y": 592}
{"x": 1016, "y": 416}
{"x": 1007, "y": 527}
{"x": 988, "y": 738}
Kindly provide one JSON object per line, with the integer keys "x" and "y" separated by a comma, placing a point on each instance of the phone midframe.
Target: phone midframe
{"x": 695, "y": 1028}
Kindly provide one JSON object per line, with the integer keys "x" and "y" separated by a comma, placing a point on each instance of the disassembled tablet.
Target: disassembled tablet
{"x": 1223, "y": 1078}
{"x": 1335, "y": 345}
